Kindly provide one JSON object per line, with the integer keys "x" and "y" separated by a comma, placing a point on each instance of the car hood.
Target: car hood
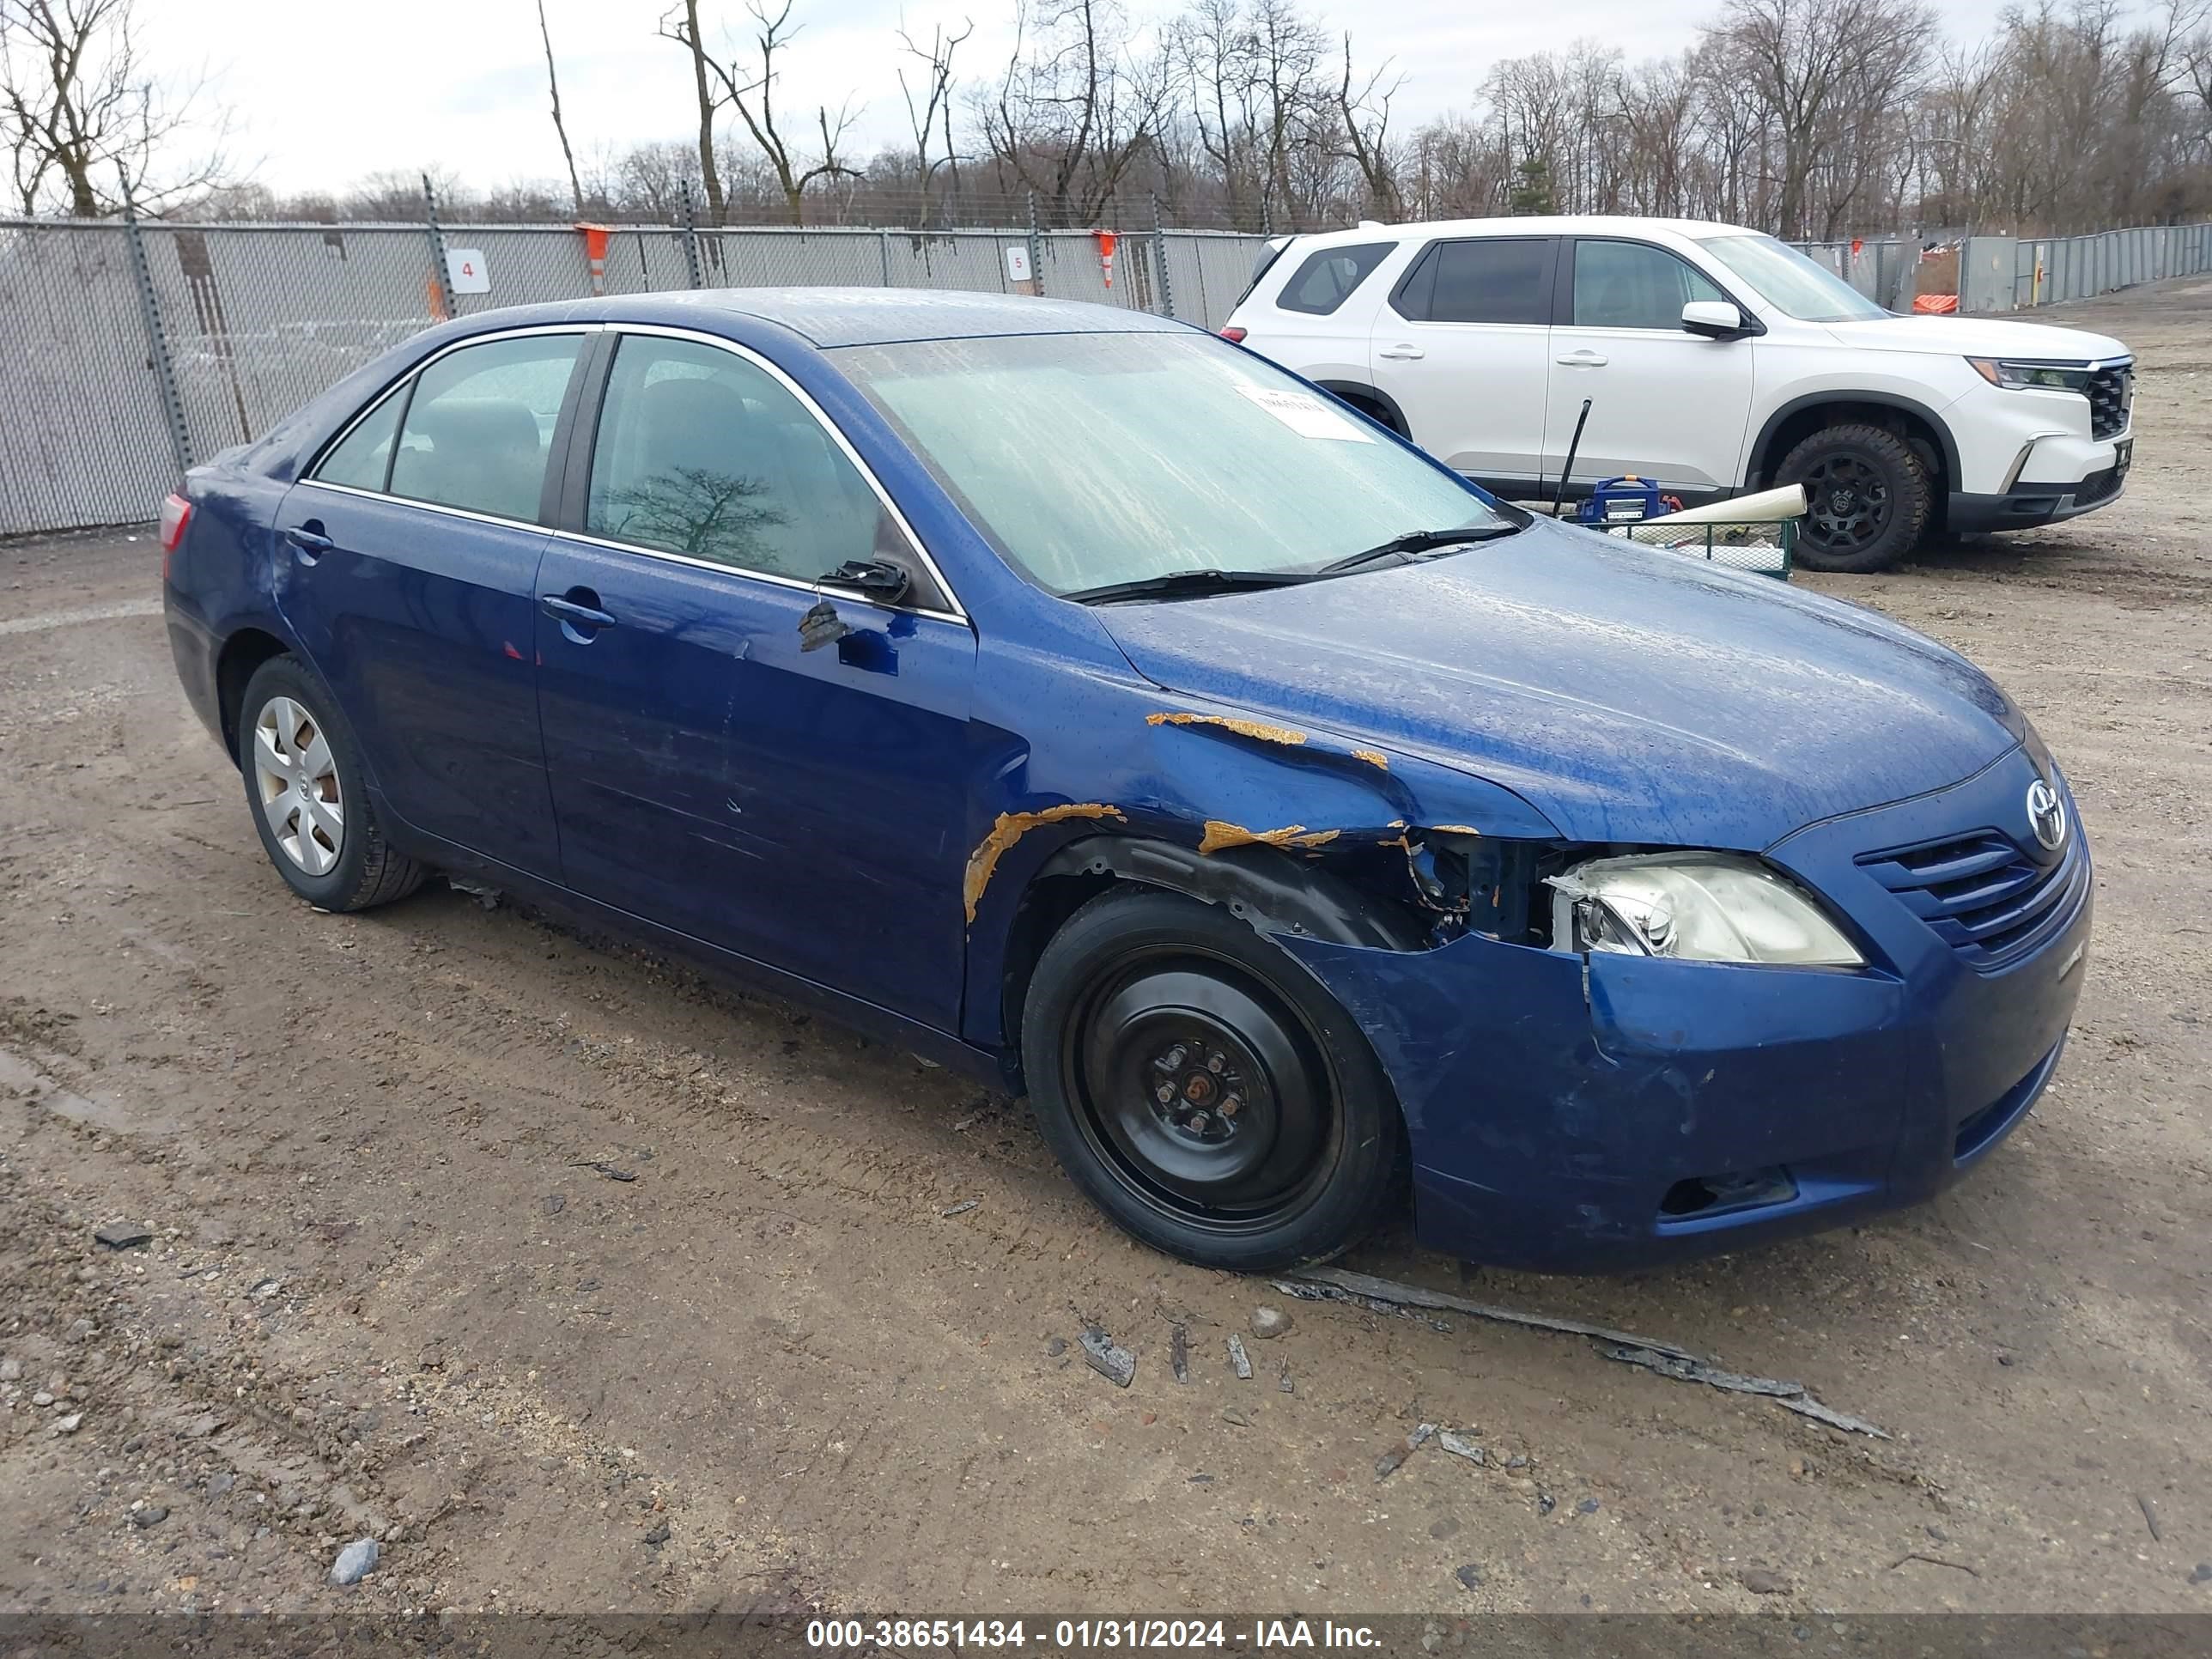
{"x": 1977, "y": 337}
{"x": 1629, "y": 694}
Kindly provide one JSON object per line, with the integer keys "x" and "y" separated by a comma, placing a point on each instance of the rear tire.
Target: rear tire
{"x": 1870, "y": 499}
{"x": 309, "y": 796}
{"x": 1205, "y": 1091}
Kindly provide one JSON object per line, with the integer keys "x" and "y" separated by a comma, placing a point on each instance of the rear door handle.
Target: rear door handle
{"x": 578, "y": 609}
{"x": 1401, "y": 353}
{"x": 1582, "y": 360}
{"x": 308, "y": 545}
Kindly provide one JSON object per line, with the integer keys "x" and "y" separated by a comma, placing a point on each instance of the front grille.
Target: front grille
{"x": 1982, "y": 894}
{"x": 2111, "y": 390}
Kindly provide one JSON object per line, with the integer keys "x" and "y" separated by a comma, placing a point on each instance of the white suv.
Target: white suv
{"x": 1713, "y": 359}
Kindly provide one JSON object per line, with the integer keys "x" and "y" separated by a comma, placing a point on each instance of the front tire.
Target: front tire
{"x": 1869, "y": 498}
{"x": 309, "y": 796}
{"x": 1204, "y": 1091}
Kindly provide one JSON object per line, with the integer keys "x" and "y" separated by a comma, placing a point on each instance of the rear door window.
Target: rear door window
{"x": 479, "y": 427}
{"x": 363, "y": 459}
{"x": 1327, "y": 279}
{"x": 1491, "y": 279}
{"x": 1634, "y": 285}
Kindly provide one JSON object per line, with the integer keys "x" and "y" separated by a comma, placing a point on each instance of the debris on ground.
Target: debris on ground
{"x": 149, "y": 1515}
{"x": 355, "y": 1563}
{"x": 1054, "y": 1346}
{"x": 1237, "y": 1416}
{"x": 554, "y": 1203}
{"x": 124, "y": 1235}
{"x": 599, "y": 1167}
{"x": 1388, "y": 1463}
{"x": 961, "y": 1208}
{"x": 486, "y": 896}
{"x": 1269, "y": 1322}
{"x": 1337, "y": 1285}
{"x": 1791, "y": 1394}
{"x": 1239, "y": 1360}
{"x": 1110, "y": 1359}
{"x": 1179, "y": 1353}
{"x": 1935, "y": 1561}
{"x": 1761, "y": 1582}
{"x": 1470, "y": 1576}
{"x": 1283, "y": 1383}
{"x": 1460, "y": 1446}
{"x": 2150, "y": 1518}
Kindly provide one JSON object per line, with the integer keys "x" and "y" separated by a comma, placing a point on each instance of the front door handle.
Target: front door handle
{"x": 308, "y": 543}
{"x": 577, "y": 609}
{"x": 1584, "y": 359}
{"x": 1401, "y": 353}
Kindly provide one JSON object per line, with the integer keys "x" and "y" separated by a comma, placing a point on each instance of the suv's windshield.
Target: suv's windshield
{"x": 1093, "y": 460}
{"x": 1790, "y": 281}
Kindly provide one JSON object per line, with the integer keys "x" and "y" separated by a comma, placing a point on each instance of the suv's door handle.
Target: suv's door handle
{"x": 1401, "y": 353}
{"x": 569, "y": 608}
{"x": 308, "y": 545}
{"x": 1583, "y": 359}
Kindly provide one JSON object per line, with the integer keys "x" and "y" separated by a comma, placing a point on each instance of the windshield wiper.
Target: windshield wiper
{"x": 1187, "y": 584}
{"x": 1417, "y": 541}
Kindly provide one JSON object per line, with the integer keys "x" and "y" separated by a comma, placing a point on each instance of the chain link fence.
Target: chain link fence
{"x": 128, "y": 351}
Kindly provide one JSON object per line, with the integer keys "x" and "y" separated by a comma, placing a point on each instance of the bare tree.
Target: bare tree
{"x": 1071, "y": 112}
{"x": 936, "y": 106}
{"x": 560, "y": 127}
{"x": 753, "y": 97}
{"x": 1365, "y": 115}
{"x": 681, "y": 25}
{"x": 80, "y": 106}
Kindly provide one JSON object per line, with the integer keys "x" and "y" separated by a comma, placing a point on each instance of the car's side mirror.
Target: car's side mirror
{"x": 1717, "y": 320}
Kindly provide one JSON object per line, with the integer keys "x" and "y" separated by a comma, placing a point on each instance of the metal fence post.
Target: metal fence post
{"x": 1036, "y": 249}
{"x": 883, "y": 254}
{"x": 157, "y": 343}
{"x": 443, "y": 283}
{"x": 1160, "y": 258}
{"x": 690, "y": 233}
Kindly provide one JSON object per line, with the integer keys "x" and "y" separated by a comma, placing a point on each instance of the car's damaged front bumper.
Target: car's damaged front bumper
{"x": 1584, "y": 1112}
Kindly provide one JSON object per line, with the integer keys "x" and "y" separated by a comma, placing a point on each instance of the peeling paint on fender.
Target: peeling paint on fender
{"x": 1011, "y": 828}
{"x": 1219, "y": 834}
{"x": 1374, "y": 757}
{"x": 1455, "y": 830}
{"x": 1316, "y": 838}
{"x": 1244, "y": 728}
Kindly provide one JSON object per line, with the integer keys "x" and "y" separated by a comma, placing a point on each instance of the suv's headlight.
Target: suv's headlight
{"x": 1694, "y": 907}
{"x": 2016, "y": 374}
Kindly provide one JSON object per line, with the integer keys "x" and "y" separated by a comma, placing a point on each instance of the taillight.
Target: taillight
{"x": 176, "y": 515}
{"x": 1233, "y": 334}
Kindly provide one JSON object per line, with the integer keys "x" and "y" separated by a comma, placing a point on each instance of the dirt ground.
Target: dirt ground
{"x": 757, "y": 1362}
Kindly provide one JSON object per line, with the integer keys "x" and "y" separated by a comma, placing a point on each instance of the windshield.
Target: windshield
{"x": 1787, "y": 279}
{"x": 1091, "y": 460}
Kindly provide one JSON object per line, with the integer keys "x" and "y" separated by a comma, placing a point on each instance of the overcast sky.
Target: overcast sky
{"x": 323, "y": 95}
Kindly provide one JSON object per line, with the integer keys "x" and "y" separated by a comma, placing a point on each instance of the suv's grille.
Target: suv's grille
{"x": 1984, "y": 897}
{"x": 2109, "y": 392}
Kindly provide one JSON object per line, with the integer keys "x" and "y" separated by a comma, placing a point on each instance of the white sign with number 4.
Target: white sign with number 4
{"x": 466, "y": 271}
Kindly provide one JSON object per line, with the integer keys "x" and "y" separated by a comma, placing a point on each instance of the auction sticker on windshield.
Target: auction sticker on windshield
{"x": 1306, "y": 416}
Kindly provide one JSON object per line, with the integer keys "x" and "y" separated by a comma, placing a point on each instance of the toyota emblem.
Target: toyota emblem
{"x": 2046, "y": 815}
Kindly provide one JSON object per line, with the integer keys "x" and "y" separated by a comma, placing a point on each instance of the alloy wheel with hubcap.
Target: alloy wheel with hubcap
{"x": 298, "y": 785}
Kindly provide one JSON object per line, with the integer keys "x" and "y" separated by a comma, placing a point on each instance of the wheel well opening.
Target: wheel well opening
{"x": 1045, "y": 909}
{"x": 243, "y": 653}
{"x": 1915, "y": 429}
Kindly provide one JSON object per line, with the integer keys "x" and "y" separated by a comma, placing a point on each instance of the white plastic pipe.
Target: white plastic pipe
{"x": 1767, "y": 507}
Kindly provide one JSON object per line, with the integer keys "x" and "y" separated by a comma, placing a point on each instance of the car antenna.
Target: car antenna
{"x": 1567, "y": 467}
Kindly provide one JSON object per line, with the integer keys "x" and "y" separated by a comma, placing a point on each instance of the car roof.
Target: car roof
{"x": 1583, "y": 224}
{"x": 830, "y": 316}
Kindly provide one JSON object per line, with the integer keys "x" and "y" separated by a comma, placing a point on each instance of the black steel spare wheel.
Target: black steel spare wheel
{"x": 1209, "y": 1101}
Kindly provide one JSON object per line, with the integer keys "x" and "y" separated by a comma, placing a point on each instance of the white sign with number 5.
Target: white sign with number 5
{"x": 1018, "y": 264}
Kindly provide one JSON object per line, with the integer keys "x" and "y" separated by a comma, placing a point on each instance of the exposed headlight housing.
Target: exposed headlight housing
{"x": 2024, "y": 375}
{"x": 1694, "y": 907}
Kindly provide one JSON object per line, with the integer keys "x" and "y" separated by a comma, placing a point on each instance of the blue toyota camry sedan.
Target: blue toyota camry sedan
{"x": 1071, "y": 696}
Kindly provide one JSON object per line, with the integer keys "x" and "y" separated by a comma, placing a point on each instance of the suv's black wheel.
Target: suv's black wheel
{"x": 309, "y": 796}
{"x": 1869, "y": 499}
{"x": 1211, "y": 1096}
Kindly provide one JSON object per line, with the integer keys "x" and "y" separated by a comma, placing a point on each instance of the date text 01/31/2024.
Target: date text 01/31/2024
{"x": 1081, "y": 1634}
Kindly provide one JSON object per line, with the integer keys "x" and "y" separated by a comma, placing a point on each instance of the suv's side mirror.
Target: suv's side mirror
{"x": 1717, "y": 320}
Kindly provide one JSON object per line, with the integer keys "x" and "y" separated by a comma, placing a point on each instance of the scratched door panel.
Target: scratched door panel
{"x": 805, "y": 808}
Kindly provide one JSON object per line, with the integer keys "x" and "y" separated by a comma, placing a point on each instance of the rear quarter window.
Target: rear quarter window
{"x": 1491, "y": 279}
{"x": 1325, "y": 280}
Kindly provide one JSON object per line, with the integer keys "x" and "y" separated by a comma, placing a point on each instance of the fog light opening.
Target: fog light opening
{"x": 1717, "y": 1194}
